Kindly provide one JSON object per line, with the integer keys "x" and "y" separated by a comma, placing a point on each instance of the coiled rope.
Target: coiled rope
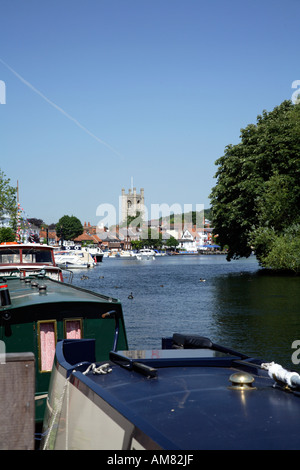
{"x": 103, "y": 369}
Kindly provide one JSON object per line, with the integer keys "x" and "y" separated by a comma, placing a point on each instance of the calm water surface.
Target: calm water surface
{"x": 238, "y": 305}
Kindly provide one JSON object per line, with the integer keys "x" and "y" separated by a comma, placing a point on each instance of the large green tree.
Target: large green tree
{"x": 69, "y": 227}
{"x": 256, "y": 199}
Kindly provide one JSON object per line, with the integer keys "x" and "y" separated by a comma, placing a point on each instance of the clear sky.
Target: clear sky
{"x": 98, "y": 92}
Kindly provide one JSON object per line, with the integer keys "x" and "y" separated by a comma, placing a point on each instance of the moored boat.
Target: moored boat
{"x": 145, "y": 254}
{"x": 74, "y": 259}
{"x": 95, "y": 252}
{"x": 28, "y": 258}
{"x": 127, "y": 254}
{"x": 159, "y": 253}
{"x": 189, "y": 395}
{"x": 36, "y": 311}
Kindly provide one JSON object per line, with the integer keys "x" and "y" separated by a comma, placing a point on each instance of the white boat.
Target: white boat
{"x": 126, "y": 254}
{"x": 145, "y": 254}
{"x": 111, "y": 254}
{"x": 74, "y": 259}
{"x": 95, "y": 252}
{"x": 159, "y": 253}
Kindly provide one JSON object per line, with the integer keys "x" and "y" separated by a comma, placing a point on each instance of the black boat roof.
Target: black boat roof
{"x": 184, "y": 399}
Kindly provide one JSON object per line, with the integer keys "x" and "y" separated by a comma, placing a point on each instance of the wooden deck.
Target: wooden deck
{"x": 17, "y": 407}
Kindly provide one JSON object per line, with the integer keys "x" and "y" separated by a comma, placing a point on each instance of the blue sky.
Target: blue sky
{"x": 102, "y": 91}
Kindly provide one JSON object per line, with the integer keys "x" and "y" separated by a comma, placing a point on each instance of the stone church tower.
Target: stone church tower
{"x": 132, "y": 203}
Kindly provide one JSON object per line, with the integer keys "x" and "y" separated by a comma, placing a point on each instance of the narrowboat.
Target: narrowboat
{"x": 191, "y": 394}
{"x": 36, "y": 311}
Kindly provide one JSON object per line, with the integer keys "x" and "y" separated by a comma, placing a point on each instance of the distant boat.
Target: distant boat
{"x": 111, "y": 254}
{"x": 74, "y": 259}
{"x": 95, "y": 252}
{"x": 159, "y": 253}
{"x": 127, "y": 254}
{"x": 145, "y": 254}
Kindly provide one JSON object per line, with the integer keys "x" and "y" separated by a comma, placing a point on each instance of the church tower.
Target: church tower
{"x": 132, "y": 203}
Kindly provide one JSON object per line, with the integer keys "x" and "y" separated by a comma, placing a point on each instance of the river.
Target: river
{"x": 235, "y": 304}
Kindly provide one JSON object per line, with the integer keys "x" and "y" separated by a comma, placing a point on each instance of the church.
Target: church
{"x": 132, "y": 203}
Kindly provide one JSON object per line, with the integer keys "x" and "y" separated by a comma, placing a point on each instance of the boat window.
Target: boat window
{"x": 9, "y": 256}
{"x": 73, "y": 328}
{"x": 47, "y": 334}
{"x": 36, "y": 256}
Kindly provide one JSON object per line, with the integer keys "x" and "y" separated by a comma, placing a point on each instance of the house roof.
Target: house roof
{"x": 108, "y": 236}
{"x": 51, "y": 234}
{"x": 87, "y": 237}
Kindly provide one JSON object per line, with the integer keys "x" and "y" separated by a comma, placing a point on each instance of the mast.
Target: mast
{"x": 18, "y": 236}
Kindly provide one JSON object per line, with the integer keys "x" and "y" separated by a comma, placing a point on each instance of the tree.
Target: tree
{"x": 151, "y": 238}
{"x": 257, "y": 194}
{"x": 137, "y": 244}
{"x": 8, "y": 202}
{"x": 36, "y": 222}
{"x": 69, "y": 227}
{"x": 284, "y": 252}
{"x": 172, "y": 242}
{"x": 7, "y": 235}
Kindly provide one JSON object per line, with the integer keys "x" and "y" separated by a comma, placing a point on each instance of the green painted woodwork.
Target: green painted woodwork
{"x": 57, "y": 302}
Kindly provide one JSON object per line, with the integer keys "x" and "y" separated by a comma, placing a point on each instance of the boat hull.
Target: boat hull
{"x": 42, "y": 312}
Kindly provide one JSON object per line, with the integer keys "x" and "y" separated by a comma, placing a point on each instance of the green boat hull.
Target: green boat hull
{"x": 42, "y": 311}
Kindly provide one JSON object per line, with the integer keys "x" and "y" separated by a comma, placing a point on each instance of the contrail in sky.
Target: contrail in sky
{"x": 59, "y": 108}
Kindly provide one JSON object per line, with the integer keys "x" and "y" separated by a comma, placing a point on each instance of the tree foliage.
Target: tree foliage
{"x": 7, "y": 235}
{"x": 256, "y": 199}
{"x": 36, "y": 222}
{"x": 172, "y": 242}
{"x": 69, "y": 227}
{"x": 8, "y": 200}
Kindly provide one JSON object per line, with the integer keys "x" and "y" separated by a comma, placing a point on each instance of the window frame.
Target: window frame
{"x": 40, "y": 358}
{"x": 77, "y": 319}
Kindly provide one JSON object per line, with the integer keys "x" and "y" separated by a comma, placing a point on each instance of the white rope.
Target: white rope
{"x": 277, "y": 372}
{"x": 103, "y": 369}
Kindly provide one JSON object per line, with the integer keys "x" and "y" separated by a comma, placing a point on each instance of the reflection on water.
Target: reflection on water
{"x": 259, "y": 313}
{"x": 234, "y": 303}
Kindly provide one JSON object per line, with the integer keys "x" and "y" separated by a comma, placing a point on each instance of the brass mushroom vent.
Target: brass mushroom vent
{"x": 241, "y": 381}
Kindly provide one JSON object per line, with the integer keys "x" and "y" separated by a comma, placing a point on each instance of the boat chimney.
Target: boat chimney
{"x": 4, "y": 296}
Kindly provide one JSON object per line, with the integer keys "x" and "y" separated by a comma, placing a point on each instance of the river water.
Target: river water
{"x": 236, "y": 304}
